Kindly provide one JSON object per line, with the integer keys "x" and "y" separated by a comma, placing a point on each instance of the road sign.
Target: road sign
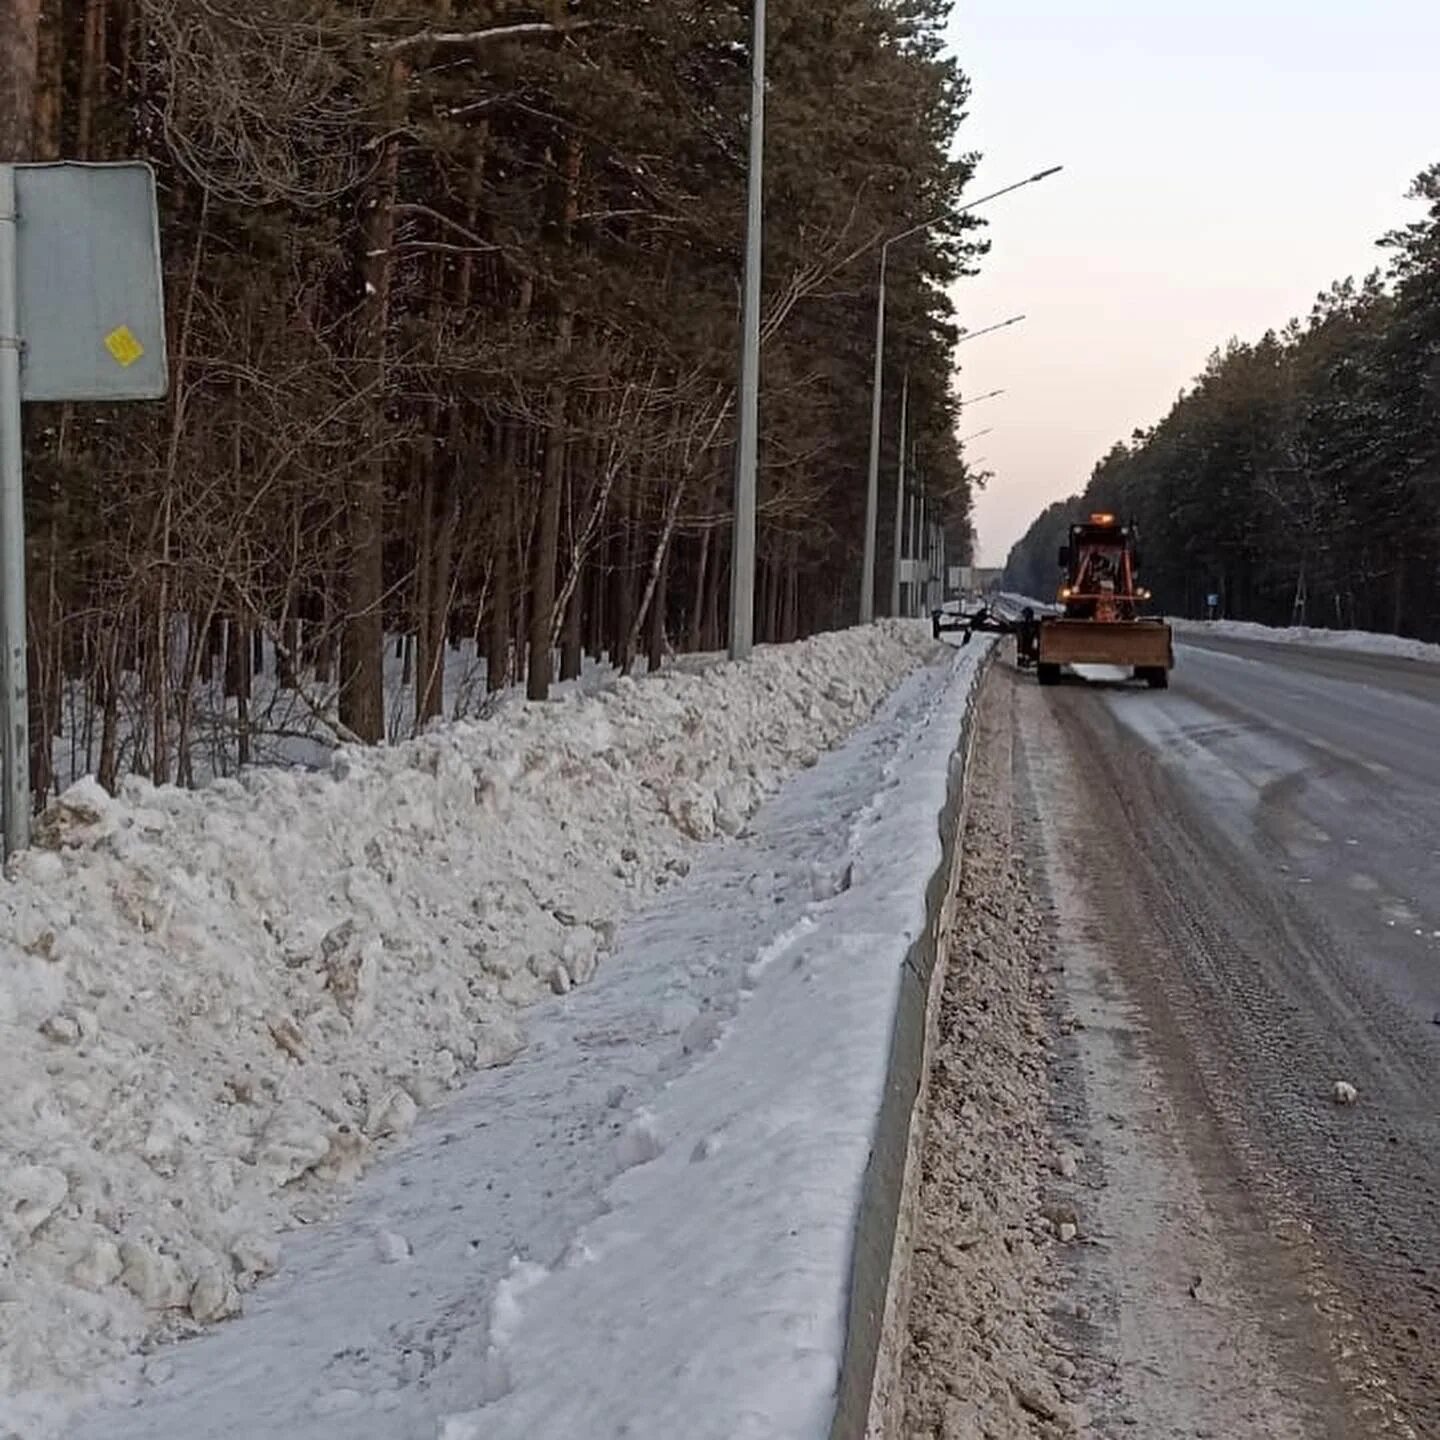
{"x": 81, "y": 318}
{"x": 87, "y": 265}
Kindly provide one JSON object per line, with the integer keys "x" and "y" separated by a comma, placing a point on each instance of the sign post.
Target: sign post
{"x": 81, "y": 318}
{"x": 14, "y": 695}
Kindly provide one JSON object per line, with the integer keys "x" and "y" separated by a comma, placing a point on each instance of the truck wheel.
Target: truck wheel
{"x": 1047, "y": 674}
{"x": 1158, "y": 678}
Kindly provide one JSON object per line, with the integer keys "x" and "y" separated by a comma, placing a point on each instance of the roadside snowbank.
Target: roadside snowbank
{"x": 215, "y": 1004}
{"x": 645, "y": 1224}
{"x": 1360, "y": 642}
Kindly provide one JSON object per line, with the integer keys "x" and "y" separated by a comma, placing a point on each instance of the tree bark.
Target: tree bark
{"x": 362, "y": 662}
{"x": 655, "y": 655}
{"x": 19, "y": 68}
{"x": 572, "y": 647}
{"x": 50, "y": 81}
{"x": 552, "y": 477}
{"x": 497, "y": 633}
{"x": 92, "y": 76}
{"x": 624, "y": 617}
{"x": 547, "y": 539}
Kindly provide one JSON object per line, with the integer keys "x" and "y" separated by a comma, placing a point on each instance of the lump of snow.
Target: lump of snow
{"x": 461, "y": 1427}
{"x": 828, "y": 881}
{"x": 32, "y": 1194}
{"x": 1344, "y": 1093}
{"x": 640, "y": 1141}
{"x": 505, "y": 1311}
{"x": 706, "y": 1148}
{"x": 62, "y": 1029}
{"x": 81, "y": 817}
{"x": 98, "y": 1267}
{"x": 344, "y": 1157}
{"x": 393, "y": 1249}
{"x": 213, "y": 1296}
{"x": 393, "y": 1115}
{"x": 155, "y": 1280}
{"x": 702, "y": 1033}
{"x": 294, "y": 1141}
{"x": 254, "y": 1257}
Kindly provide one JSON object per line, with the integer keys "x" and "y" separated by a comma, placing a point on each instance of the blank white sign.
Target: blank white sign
{"x": 92, "y": 313}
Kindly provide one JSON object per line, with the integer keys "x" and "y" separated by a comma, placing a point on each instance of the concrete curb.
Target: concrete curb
{"x": 867, "y": 1403}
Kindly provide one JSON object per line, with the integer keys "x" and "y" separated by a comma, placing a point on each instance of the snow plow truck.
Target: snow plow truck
{"x": 1101, "y": 619}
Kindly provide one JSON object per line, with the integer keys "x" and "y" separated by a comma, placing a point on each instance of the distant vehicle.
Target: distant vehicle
{"x": 1102, "y": 602}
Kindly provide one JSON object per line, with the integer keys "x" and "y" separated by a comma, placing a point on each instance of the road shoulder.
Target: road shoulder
{"x": 1087, "y": 1261}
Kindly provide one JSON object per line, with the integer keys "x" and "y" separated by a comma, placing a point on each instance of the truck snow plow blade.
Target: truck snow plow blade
{"x": 1144, "y": 646}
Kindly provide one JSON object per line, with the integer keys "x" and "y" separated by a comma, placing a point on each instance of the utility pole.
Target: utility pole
{"x": 742, "y": 557}
{"x": 900, "y": 498}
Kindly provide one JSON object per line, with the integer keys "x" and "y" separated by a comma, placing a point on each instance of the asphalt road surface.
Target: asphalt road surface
{"x": 1244, "y": 876}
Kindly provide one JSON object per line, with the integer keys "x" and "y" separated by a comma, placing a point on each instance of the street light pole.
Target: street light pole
{"x": 872, "y": 489}
{"x": 742, "y": 559}
{"x": 900, "y": 499}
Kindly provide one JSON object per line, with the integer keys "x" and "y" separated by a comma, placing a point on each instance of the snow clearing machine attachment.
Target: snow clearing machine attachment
{"x": 1101, "y": 603}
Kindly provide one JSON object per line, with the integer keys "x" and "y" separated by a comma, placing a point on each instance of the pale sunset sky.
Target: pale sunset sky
{"x": 1224, "y": 162}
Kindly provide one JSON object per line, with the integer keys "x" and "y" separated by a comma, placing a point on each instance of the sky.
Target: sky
{"x": 1224, "y": 163}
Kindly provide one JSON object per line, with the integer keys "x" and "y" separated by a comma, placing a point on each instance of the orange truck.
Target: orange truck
{"x": 1102, "y": 604}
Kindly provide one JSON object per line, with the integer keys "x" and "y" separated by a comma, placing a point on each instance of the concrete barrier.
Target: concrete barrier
{"x": 868, "y": 1399}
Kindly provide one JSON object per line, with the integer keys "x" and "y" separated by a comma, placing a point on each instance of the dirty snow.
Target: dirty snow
{"x": 981, "y": 1356}
{"x": 215, "y": 1006}
{"x": 643, "y": 1225}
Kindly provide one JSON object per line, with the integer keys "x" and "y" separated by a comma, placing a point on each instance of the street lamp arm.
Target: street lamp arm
{"x": 975, "y": 400}
{"x": 988, "y": 330}
{"x": 970, "y": 205}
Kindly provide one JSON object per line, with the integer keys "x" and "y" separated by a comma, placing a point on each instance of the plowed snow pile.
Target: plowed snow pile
{"x": 215, "y": 1004}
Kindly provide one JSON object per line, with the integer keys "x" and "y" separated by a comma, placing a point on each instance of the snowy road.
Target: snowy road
{"x": 1251, "y": 864}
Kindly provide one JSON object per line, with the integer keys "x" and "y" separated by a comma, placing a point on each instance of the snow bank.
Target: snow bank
{"x": 214, "y": 1005}
{"x": 1360, "y": 642}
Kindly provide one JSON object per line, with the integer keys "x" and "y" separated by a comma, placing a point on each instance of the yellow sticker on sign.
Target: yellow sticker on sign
{"x": 123, "y": 345}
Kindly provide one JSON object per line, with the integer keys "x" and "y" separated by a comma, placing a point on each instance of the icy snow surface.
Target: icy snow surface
{"x": 1361, "y": 642}
{"x": 643, "y": 1225}
{"x": 215, "y": 1005}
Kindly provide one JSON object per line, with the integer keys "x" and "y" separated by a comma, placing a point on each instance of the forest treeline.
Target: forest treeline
{"x": 453, "y": 295}
{"x": 1299, "y": 477}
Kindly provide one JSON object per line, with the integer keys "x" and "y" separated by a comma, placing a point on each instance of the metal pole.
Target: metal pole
{"x": 14, "y": 704}
{"x": 900, "y": 498}
{"x": 872, "y": 489}
{"x": 742, "y": 560}
{"x": 917, "y": 520}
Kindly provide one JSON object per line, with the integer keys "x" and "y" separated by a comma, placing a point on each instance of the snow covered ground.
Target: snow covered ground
{"x": 1363, "y": 642}
{"x": 215, "y": 1006}
{"x": 283, "y": 726}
